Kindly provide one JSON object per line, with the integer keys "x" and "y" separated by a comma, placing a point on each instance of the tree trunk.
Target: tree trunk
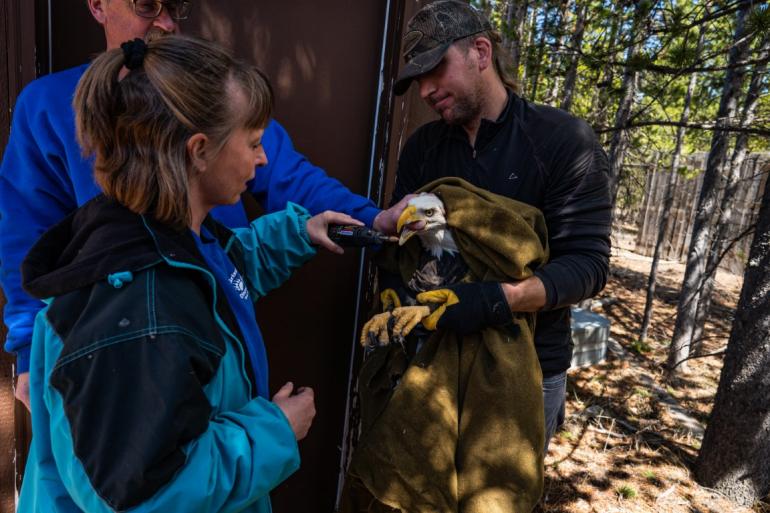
{"x": 669, "y": 197}
{"x": 619, "y": 139}
{"x": 486, "y": 6}
{"x": 707, "y": 202}
{"x": 735, "y": 452}
{"x": 724, "y": 223}
{"x": 606, "y": 77}
{"x": 515, "y": 18}
{"x": 558, "y": 51}
{"x": 530, "y": 47}
{"x": 539, "y": 51}
{"x": 576, "y": 43}
{"x": 648, "y": 217}
{"x": 704, "y": 307}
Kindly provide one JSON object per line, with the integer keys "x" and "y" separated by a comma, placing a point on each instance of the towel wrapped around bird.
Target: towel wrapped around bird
{"x": 452, "y": 414}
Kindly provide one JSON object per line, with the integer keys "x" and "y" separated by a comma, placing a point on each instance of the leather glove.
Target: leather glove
{"x": 467, "y": 307}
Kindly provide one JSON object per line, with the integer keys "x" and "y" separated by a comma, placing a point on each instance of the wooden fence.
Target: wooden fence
{"x": 682, "y": 213}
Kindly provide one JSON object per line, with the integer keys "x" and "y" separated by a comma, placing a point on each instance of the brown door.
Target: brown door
{"x": 17, "y": 68}
{"x": 323, "y": 60}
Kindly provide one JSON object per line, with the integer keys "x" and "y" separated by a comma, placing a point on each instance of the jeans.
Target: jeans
{"x": 554, "y": 400}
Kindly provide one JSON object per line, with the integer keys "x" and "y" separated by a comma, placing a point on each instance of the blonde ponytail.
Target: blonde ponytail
{"x": 137, "y": 125}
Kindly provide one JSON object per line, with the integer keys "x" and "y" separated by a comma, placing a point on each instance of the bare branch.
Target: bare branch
{"x": 673, "y": 70}
{"x": 692, "y": 69}
{"x": 748, "y": 231}
{"x": 693, "y": 357}
{"x": 727, "y": 10}
{"x": 762, "y": 131}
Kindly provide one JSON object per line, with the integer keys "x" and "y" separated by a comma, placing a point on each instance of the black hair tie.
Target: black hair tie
{"x": 133, "y": 53}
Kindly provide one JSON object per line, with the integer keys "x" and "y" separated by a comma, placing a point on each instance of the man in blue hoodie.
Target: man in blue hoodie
{"x": 44, "y": 177}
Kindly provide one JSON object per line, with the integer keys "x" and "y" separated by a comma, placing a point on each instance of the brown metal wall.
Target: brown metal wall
{"x": 17, "y": 56}
{"x": 17, "y": 68}
{"x": 74, "y": 35}
{"x": 398, "y": 118}
{"x": 323, "y": 59}
{"x": 409, "y": 111}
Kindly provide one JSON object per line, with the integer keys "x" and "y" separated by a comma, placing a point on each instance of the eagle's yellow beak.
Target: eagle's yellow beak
{"x": 408, "y": 216}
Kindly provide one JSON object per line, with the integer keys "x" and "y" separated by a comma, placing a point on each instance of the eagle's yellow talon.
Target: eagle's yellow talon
{"x": 389, "y": 299}
{"x": 377, "y": 327}
{"x": 441, "y": 297}
{"x": 407, "y": 317}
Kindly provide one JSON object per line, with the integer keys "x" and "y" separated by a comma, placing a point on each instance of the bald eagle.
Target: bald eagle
{"x": 440, "y": 265}
{"x": 425, "y": 216}
{"x": 451, "y": 386}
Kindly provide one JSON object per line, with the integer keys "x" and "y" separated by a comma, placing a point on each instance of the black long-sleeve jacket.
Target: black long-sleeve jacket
{"x": 549, "y": 159}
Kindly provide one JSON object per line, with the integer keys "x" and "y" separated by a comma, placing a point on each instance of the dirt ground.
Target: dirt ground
{"x": 621, "y": 450}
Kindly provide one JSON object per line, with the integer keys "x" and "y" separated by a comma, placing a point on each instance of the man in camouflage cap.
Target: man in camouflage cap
{"x": 493, "y": 138}
{"x": 431, "y": 32}
{"x": 497, "y": 140}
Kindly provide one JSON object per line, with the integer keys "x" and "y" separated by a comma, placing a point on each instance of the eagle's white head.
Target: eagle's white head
{"x": 425, "y": 216}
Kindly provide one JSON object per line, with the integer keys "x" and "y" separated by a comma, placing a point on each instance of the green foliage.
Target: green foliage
{"x": 626, "y": 491}
{"x": 640, "y": 347}
{"x": 675, "y": 18}
{"x": 665, "y": 37}
{"x": 640, "y": 61}
{"x": 682, "y": 52}
{"x": 689, "y": 172}
{"x": 642, "y": 392}
{"x": 758, "y": 19}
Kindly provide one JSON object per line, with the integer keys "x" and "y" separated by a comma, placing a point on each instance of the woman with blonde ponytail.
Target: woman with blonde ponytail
{"x": 149, "y": 374}
{"x": 43, "y": 176}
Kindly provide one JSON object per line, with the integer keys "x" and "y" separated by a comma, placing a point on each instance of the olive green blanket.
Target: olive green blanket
{"x": 463, "y": 429}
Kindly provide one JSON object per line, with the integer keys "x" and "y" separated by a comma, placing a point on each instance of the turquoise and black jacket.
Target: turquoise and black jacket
{"x": 143, "y": 398}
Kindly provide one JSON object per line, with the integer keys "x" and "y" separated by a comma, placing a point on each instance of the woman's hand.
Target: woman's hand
{"x": 318, "y": 227}
{"x": 298, "y": 408}
{"x": 22, "y": 389}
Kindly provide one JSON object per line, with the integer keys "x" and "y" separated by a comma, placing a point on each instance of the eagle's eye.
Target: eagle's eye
{"x": 429, "y": 212}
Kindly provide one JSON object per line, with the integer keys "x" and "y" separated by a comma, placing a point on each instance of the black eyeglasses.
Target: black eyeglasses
{"x": 152, "y": 8}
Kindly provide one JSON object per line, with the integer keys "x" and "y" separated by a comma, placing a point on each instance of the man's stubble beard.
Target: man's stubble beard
{"x": 467, "y": 108}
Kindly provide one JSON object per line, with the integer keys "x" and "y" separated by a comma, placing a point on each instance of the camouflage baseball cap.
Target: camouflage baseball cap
{"x": 431, "y": 31}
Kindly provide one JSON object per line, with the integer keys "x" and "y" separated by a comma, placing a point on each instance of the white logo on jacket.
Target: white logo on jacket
{"x": 240, "y": 286}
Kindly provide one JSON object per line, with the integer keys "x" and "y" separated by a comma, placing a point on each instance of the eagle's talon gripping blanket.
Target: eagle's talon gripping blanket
{"x": 375, "y": 331}
{"x": 378, "y": 330}
{"x": 407, "y": 317}
{"x": 389, "y": 299}
{"x": 454, "y": 423}
{"x": 467, "y": 307}
{"x": 395, "y": 324}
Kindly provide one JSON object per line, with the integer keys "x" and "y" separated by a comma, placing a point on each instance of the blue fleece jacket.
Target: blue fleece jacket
{"x": 237, "y": 293}
{"x": 43, "y": 177}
